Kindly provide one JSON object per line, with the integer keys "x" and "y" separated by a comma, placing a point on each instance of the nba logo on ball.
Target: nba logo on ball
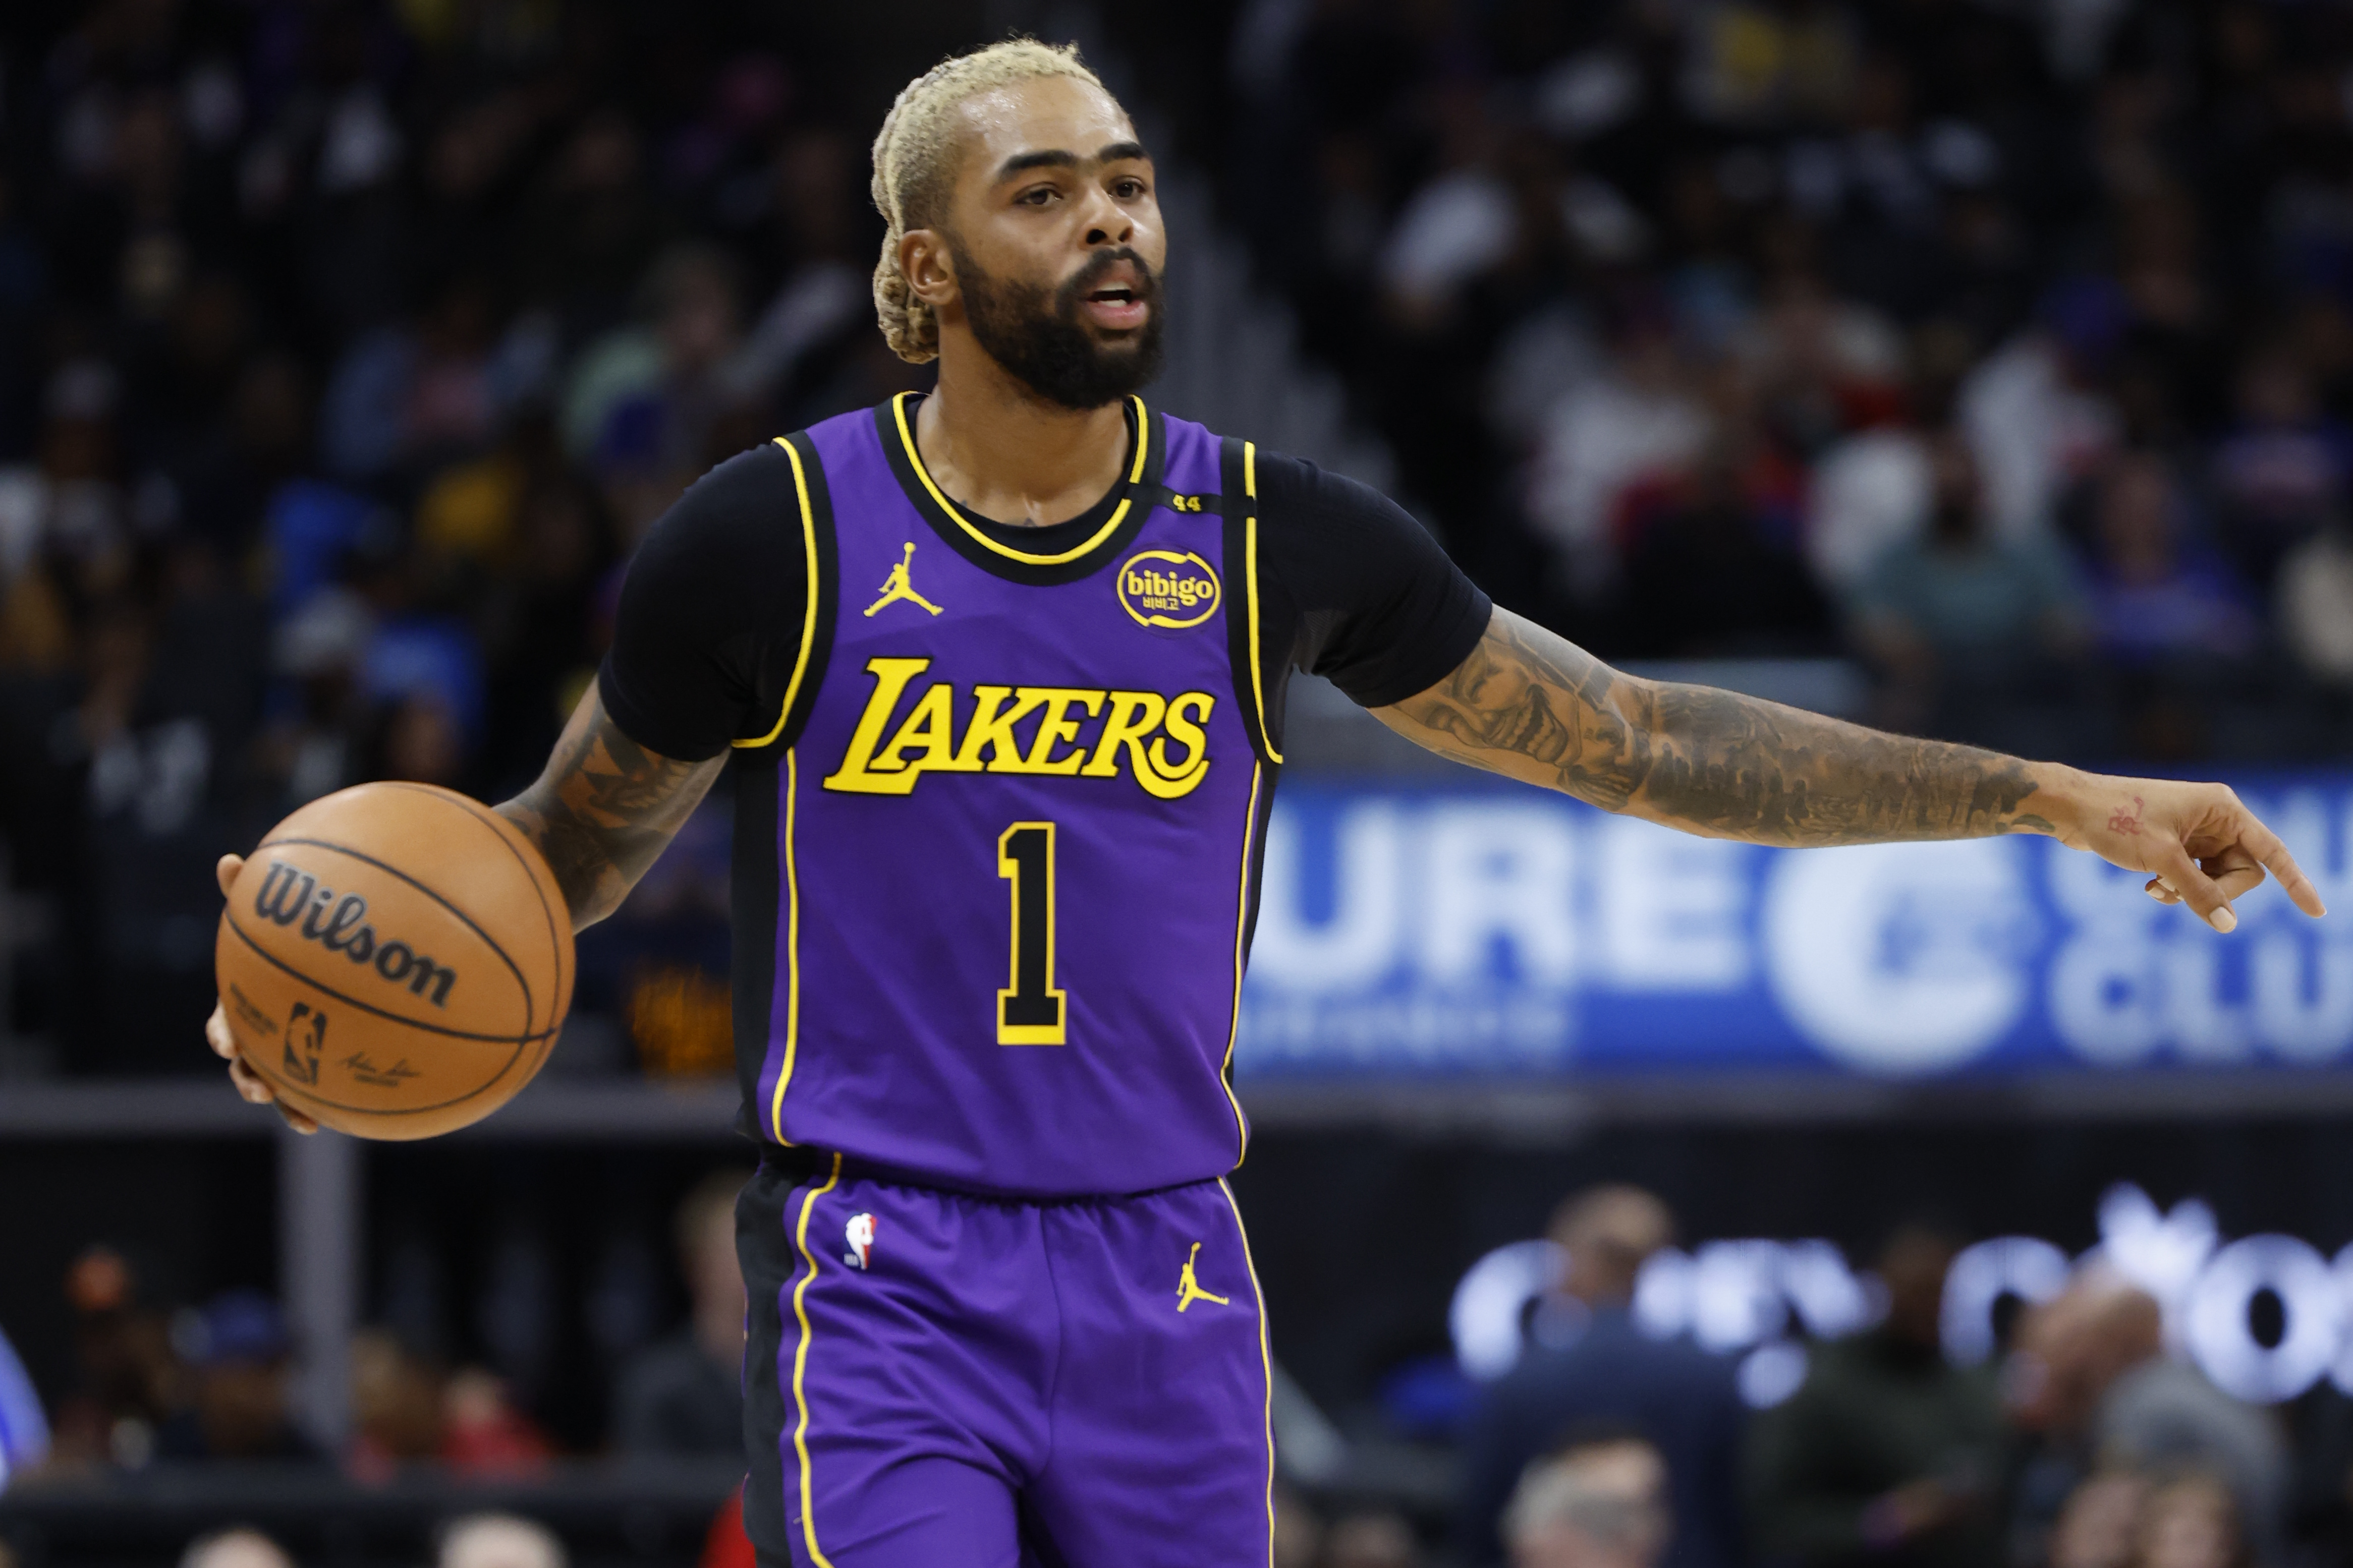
{"x": 860, "y": 1234}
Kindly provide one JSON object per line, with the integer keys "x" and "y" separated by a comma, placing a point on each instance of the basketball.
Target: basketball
{"x": 396, "y": 959}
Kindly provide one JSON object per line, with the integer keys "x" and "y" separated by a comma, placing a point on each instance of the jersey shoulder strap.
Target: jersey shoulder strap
{"x": 1261, "y": 663}
{"x": 809, "y": 509}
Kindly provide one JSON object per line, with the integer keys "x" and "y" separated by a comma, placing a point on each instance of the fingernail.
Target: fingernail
{"x": 2224, "y": 920}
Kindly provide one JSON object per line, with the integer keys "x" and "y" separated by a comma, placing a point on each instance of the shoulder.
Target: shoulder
{"x": 1293, "y": 490}
{"x": 1316, "y": 527}
{"x": 761, "y": 477}
{"x": 745, "y": 505}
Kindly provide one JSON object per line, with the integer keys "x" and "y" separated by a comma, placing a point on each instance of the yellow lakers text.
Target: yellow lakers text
{"x": 1079, "y": 732}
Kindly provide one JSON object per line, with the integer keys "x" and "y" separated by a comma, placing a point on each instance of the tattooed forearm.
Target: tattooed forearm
{"x": 1536, "y": 707}
{"x": 605, "y": 809}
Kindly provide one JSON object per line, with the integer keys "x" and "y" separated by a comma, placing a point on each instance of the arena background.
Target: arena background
{"x": 1981, "y": 368}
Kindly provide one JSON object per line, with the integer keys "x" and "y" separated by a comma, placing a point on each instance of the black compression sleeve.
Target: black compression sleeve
{"x": 711, "y": 612}
{"x": 1379, "y": 609}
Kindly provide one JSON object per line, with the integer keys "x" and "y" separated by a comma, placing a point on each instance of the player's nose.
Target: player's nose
{"x": 1108, "y": 223}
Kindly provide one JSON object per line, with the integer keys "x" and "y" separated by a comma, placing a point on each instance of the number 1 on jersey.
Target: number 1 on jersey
{"x": 1029, "y": 1012}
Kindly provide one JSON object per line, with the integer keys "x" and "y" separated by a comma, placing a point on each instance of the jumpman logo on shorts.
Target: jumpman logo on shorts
{"x": 896, "y": 587}
{"x": 1188, "y": 1288}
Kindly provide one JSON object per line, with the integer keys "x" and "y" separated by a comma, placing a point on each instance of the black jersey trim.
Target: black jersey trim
{"x": 1138, "y": 493}
{"x": 755, "y": 891}
{"x": 816, "y": 504}
{"x": 1237, "y": 478}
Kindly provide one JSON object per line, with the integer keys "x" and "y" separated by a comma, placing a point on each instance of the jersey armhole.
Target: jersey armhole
{"x": 1237, "y": 478}
{"x": 814, "y": 507}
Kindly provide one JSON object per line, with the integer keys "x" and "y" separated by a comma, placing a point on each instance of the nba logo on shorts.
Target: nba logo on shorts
{"x": 860, "y": 1234}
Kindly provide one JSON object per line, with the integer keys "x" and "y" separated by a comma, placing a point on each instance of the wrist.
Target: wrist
{"x": 2057, "y": 803}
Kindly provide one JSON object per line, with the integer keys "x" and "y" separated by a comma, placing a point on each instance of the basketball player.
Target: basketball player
{"x": 1001, "y": 670}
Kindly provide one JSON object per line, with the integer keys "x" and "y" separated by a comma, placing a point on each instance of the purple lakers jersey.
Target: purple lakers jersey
{"x": 1015, "y": 799}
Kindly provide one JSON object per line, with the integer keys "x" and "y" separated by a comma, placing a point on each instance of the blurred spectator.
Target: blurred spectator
{"x": 2315, "y": 603}
{"x": 2286, "y": 470}
{"x": 725, "y": 1544}
{"x": 1821, "y": 365}
{"x": 129, "y": 1379}
{"x": 2034, "y": 412}
{"x": 1962, "y": 612}
{"x": 685, "y": 1394}
{"x": 238, "y": 1547}
{"x": 498, "y": 1540}
{"x": 1885, "y": 1451}
{"x": 483, "y": 1434}
{"x": 1638, "y": 419}
{"x": 1714, "y": 578}
{"x": 1875, "y": 489}
{"x": 1589, "y": 1363}
{"x": 1601, "y": 1502}
{"x": 642, "y": 402}
{"x": 1298, "y": 1533}
{"x": 2097, "y": 1527}
{"x": 24, "y": 1429}
{"x": 435, "y": 389}
{"x": 239, "y": 1351}
{"x": 2093, "y": 1385}
{"x": 1370, "y": 1540}
{"x": 397, "y": 1397}
{"x": 2152, "y": 593}
{"x": 2190, "y": 1522}
{"x": 406, "y": 1410}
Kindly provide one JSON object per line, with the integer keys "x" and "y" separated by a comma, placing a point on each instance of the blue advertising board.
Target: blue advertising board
{"x": 1487, "y": 929}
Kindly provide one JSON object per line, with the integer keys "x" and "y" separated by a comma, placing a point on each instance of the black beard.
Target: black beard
{"x": 1040, "y": 341}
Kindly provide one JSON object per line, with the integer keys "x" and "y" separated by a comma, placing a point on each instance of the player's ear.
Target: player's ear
{"x": 930, "y": 271}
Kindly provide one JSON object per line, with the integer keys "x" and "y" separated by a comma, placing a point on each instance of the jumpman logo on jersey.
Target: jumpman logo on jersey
{"x": 896, "y": 587}
{"x": 1188, "y": 1288}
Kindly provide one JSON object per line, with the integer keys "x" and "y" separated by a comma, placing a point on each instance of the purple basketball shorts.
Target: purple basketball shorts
{"x": 941, "y": 1380}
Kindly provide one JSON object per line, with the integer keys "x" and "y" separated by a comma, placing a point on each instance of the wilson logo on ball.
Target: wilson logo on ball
{"x": 340, "y": 925}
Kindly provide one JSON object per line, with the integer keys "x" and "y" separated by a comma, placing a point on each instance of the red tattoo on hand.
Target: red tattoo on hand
{"x": 2126, "y": 822}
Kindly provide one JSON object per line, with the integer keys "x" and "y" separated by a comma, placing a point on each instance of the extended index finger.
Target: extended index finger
{"x": 2265, "y": 845}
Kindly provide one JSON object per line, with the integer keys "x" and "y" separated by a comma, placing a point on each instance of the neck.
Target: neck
{"x": 999, "y": 450}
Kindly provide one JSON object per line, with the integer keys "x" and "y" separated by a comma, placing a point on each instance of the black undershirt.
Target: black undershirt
{"x": 711, "y": 614}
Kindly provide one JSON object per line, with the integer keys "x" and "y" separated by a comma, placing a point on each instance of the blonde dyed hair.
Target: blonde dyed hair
{"x": 915, "y": 163}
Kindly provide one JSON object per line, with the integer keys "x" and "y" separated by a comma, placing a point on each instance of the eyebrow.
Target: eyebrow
{"x": 1060, "y": 158}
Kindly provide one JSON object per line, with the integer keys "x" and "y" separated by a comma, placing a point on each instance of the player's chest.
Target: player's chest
{"x": 940, "y": 666}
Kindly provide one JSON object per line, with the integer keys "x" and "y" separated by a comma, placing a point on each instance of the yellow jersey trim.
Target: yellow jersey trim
{"x": 1242, "y": 926}
{"x": 800, "y": 1355}
{"x": 1265, "y": 1361}
{"x": 1250, "y": 579}
{"x": 808, "y": 612}
{"x": 1119, "y": 512}
{"x": 792, "y": 948}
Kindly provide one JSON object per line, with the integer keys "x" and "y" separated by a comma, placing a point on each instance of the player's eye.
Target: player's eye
{"x": 1127, "y": 190}
{"x": 1038, "y": 196}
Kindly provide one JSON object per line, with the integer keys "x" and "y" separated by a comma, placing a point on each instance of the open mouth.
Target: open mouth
{"x": 1116, "y": 306}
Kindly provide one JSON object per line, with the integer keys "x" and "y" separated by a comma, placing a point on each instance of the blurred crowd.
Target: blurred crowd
{"x": 2087, "y": 1441}
{"x": 157, "y": 1379}
{"x": 346, "y": 349}
{"x": 2006, "y": 345}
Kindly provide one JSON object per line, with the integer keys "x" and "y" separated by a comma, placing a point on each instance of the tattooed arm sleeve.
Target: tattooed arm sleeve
{"x": 605, "y": 809}
{"x": 1536, "y": 707}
